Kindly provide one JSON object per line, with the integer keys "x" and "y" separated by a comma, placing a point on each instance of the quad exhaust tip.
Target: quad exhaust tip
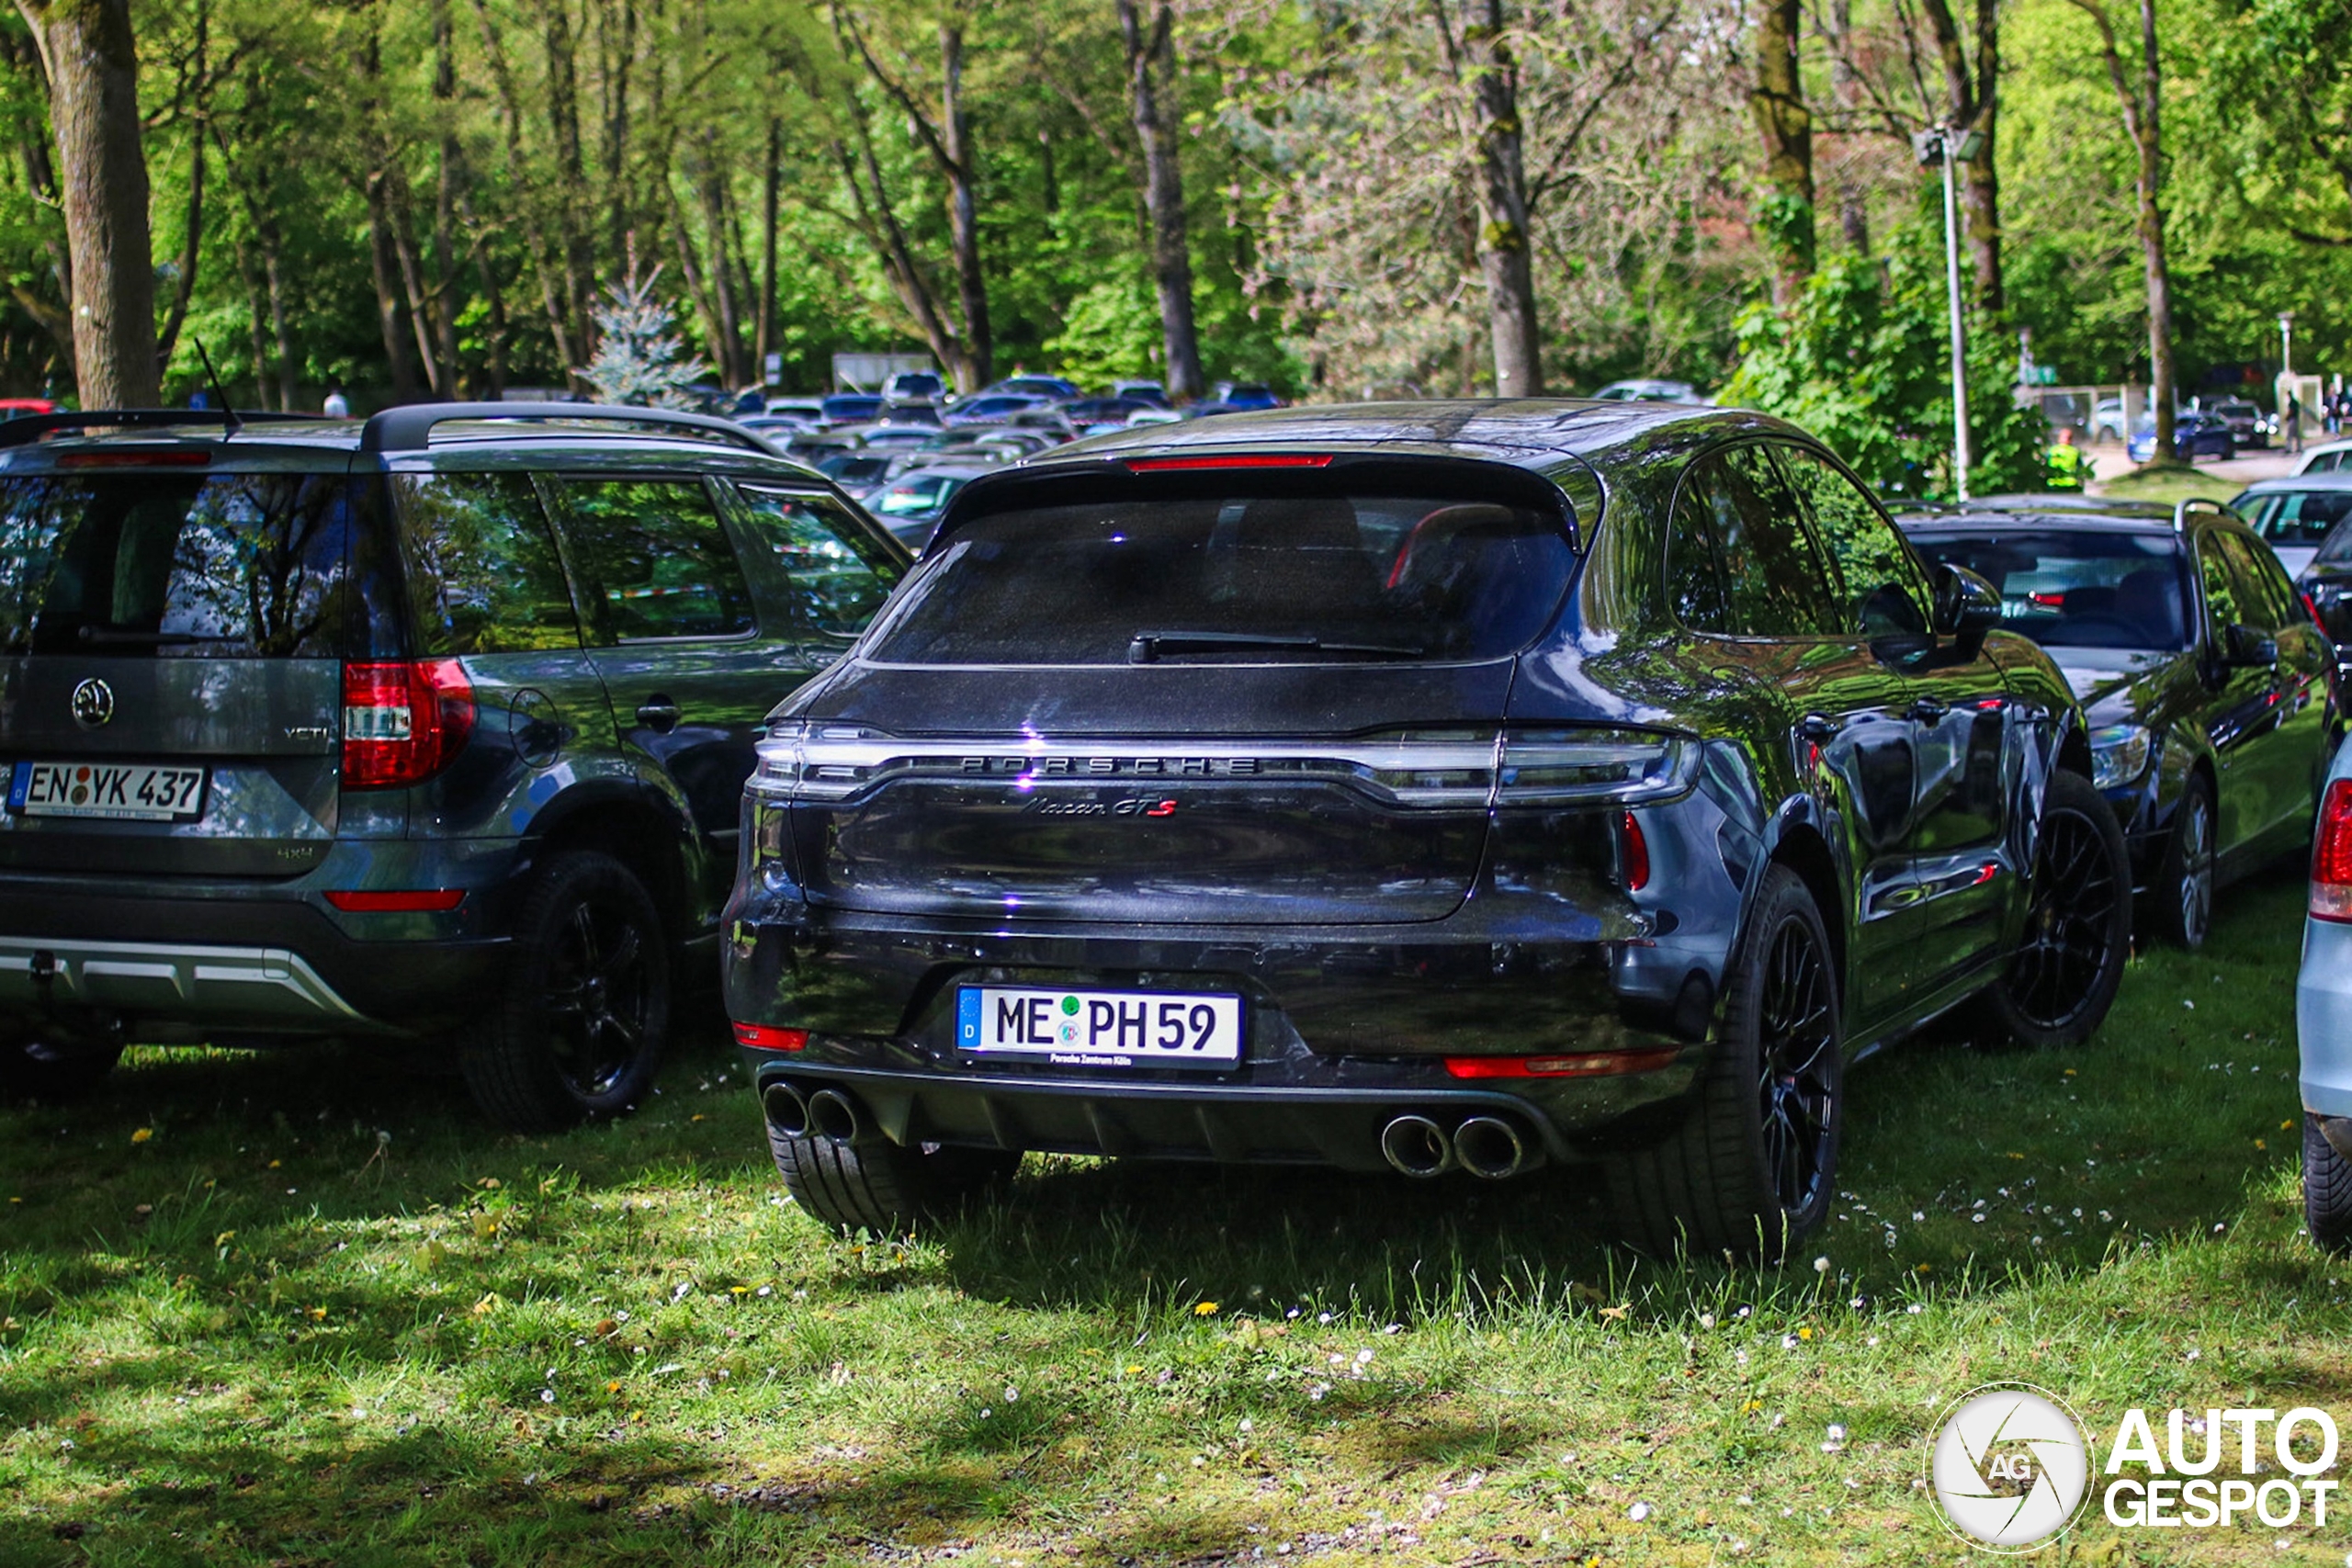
{"x": 787, "y": 1110}
{"x": 1487, "y": 1147}
{"x": 834, "y": 1115}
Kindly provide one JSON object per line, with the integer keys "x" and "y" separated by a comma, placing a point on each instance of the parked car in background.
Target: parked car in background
{"x": 1650, "y": 391}
{"x": 1051, "y": 387}
{"x": 809, "y": 409}
{"x": 1102, "y": 410}
{"x": 1246, "y": 395}
{"x": 857, "y": 471}
{"x": 2294, "y": 515}
{"x": 1413, "y": 787}
{"x": 1150, "y": 392}
{"x": 2194, "y": 435}
{"x": 849, "y": 408}
{"x": 994, "y": 408}
{"x": 914, "y": 386}
{"x": 910, "y": 503}
{"x": 909, "y": 414}
{"x": 2107, "y": 420}
{"x": 2324, "y": 458}
{"x": 2250, "y": 426}
{"x": 21, "y": 408}
{"x": 425, "y": 733}
{"x": 2210, "y": 697}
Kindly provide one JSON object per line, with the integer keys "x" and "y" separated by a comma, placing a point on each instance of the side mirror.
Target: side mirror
{"x": 1966, "y": 606}
{"x": 2245, "y": 647}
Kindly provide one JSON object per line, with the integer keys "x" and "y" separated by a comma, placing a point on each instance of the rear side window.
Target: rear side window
{"x": 175, "y": 565}
{"x": 1237, "y": 569}
{"x": 1740, "y": 563}
{"x": 2263, "y": 594}
{"x": 655, "y": 556}
{"x": 482, "y": 570}
{"x": 2299, "y": 518}
{"x": 840, "y": 574}
{"x": 1885, "y": 593}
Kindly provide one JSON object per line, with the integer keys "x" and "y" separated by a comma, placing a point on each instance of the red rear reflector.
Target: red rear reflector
{"x": 2049, "y": 601}
{"x": 2312, "y": 609}
{"x": 1635, "y": 852}
{"x": 1231, "y": 461}
{"x": 133, "y": 458}
{"x": 759, "y": 1037}
{"x": 403, "y": 722}
{"x": 1590, "y": 1065}
{"x": 2331, "y": 856}
{"x": 406, "y": 902}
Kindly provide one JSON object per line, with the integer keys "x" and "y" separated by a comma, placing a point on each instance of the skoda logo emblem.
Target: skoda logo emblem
{"x": 93, "y": 703}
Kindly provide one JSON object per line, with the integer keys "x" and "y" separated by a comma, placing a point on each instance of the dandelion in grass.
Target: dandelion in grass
{"x": 1204, "y": 1309}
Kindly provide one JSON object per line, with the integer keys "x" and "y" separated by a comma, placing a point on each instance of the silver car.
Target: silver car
{"x": 2324, "y": 1018}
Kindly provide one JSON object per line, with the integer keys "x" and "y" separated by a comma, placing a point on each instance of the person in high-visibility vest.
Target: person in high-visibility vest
{"x": 2070, "y": 468}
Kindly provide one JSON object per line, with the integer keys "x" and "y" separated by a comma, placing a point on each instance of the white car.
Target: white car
{"x": 2293, "y": 515}
{"x": 2324, "y": 1018}
{"x": 1652, "y": 392}
{"x": 2325, "y": 458}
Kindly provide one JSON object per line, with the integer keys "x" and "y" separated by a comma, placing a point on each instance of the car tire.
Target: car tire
{"x": 2327, "y": 1190}
{"x": 33, "y": 1068}
{"x": 1752, "y": 1168}
{"x": 579, "y": 1032}
{"x": 2185, "y": 884}
{"x": 2069, "y": 959}
{"x": 881, "y": 1187}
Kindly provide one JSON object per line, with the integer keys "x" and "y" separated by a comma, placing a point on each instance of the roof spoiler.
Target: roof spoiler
{"x": 32, "y": 427}
{"x": 409, "y": 428}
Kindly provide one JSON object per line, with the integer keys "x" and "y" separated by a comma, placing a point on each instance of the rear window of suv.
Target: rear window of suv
{"x": 173, "y": 565}
{"x": 1272, "y": 571}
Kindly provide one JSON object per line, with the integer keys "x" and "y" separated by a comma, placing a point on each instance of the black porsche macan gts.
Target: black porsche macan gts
{"x": 1477, "y": 787}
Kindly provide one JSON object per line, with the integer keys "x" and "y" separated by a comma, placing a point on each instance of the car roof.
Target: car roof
{"x": 2333, "y": 479}
{"x": 2039, "y": 514}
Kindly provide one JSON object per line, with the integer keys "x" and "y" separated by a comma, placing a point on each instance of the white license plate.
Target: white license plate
{"x": 134, "y": 792}
{"x": 1100, "y": 1029}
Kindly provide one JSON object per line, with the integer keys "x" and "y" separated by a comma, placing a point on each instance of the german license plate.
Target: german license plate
{"x": 1100, "y": 1029}
{"x": 132, "y": 792}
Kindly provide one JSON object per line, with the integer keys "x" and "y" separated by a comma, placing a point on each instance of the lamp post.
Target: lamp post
{"x": 1940, "y": 146}
{"x": 2286, "y": 343}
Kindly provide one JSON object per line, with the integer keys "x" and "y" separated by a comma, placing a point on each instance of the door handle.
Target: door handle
{"x": 658, "y": 714}
{"x": 1817, "y": 727}
{"x": 1928, "y": 710}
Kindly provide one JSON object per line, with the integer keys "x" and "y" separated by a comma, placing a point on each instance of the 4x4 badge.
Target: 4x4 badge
{"x": 93, "y": 703}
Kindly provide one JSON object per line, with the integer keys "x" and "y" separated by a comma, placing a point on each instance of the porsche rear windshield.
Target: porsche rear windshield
{"x": 1257, "y": 572}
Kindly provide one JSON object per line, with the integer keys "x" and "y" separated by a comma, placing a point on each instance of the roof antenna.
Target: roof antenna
{"x": 219, "y": 392}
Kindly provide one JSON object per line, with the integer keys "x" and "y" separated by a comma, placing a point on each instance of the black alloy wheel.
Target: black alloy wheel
{"x": 2069, "y": 959}
{"x": 1751, "y": 1169}
{"x": 2189, "y": 871}
{"x": 1797, "y": 1078}
{"x": 579, "y": 1029}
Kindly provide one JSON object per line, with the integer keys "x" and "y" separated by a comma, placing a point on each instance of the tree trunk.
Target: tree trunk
{"x": 623, "y": 52}
{"x": 770, "y": 197}
{"x": 92, "y": 60}
{"x": 384, "y": 268}
{"x": 448, "y": 176}
{"x": 1785, "y": 213}
{"x": 192, "y": 246}
{"x": 1505, "y": 258}
{"x": 563, "y": 120}
{"x": 1971, "y": 102}
{"x": 1172, "y": 256}
{"x": 962, "y": 214}
{"x": 2141, "y": 103}
{"x": 493, "y": 297}
{"x": 1845, "y": 91}
{"x": 520, "y": 179}
{"x": 288, "y": 367}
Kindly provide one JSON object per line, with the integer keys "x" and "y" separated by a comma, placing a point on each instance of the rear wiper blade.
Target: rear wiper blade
{"x": 109, "y": 634}
{"x": 1149, "y": 646}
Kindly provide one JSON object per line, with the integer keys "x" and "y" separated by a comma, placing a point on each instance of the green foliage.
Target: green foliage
{"x": 639, "y": 360}
{"x": 1110, "y": 333}
{"x": 1863, "y": 360}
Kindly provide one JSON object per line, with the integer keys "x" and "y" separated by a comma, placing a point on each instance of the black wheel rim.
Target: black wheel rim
{"x": 1797, "y": 1066}
{"x": 2196, "y": 870}
{"x": 599, "y": 995}
{"x": 2069, "y": 924}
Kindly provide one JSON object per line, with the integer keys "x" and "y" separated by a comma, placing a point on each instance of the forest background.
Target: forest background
{"x": 1345, "y": 198}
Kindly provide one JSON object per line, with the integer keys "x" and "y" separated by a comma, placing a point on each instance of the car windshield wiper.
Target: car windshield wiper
{"x": 112, "y": 634}
{"x": 1150, "y": 647}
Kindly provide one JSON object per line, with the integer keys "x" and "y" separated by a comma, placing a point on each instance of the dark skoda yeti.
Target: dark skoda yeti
{"x": 429, "y": 729}
{"x": 1456, "y": 786}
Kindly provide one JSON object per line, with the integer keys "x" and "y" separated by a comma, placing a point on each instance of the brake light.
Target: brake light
{"x": 403, "y": 722}
{"x": 1633, "y": 851}
{"x": 403, "y": 901}
{"x": 1230, "y": 461}
{"x": 1584, "y": 1065}
{"x": 2311, "y": 608}
{"x": 759, "y": 1037}
{"x": 2331, "y": 856}
{"x": 135, "y": 457}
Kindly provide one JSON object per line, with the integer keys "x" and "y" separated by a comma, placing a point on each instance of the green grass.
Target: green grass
{"x": 305, "y": 1310}
{"x": 2170, "y": 483}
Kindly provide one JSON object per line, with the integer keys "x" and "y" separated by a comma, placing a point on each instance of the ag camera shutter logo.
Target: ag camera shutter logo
{"x": 2009, "y": 1467}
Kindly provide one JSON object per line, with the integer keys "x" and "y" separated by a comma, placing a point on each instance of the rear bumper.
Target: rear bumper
{"x": 276, "y": 965}
{"x": 1324, "y": 1113}
{"x": 2324, "y": 1018}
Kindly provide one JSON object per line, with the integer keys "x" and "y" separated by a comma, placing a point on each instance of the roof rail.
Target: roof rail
{"x": 32, "y": 427}
{"x": 2181, "y": 513}
{"x": 409, "y": 428}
